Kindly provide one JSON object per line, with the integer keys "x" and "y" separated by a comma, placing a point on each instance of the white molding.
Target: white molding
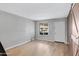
{"x": 45, "y": 40}
{"x": 17, "y": 45}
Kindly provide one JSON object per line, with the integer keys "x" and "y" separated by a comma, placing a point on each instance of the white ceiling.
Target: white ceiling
{"x": 37, "y": 11}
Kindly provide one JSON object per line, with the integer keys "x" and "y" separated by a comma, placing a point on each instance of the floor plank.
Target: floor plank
{"x": 39, "y": 48}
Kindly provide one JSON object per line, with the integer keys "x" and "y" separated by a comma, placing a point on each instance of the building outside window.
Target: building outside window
{"x": 43, "y": 28}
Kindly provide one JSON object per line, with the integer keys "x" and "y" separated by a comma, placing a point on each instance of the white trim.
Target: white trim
{"x": 46, "y": 40}
{"x": 18, "y": 44}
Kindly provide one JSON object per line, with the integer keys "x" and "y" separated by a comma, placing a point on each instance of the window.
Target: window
{"x": 43, "y": 28}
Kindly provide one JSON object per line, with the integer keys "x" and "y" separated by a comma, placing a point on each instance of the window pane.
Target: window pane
{"x": 43, "y": 28}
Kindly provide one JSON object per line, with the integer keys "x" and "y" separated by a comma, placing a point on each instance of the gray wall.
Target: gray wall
{"x": 15, "y": 29}
{"x": 57, "y": 30}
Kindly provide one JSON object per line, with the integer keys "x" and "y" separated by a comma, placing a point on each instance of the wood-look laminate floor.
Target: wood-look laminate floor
{"x": 39, "y": 48}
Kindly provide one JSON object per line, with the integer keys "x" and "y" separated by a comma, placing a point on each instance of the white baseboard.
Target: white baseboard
{"x": 46, "y": 40}
{"x": 17, "y": 45}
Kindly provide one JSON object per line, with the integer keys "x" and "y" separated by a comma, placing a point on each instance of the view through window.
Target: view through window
{"x": 43, "y": 28}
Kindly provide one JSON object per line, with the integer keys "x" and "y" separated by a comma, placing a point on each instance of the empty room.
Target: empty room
{"x": 39, "y": 29}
